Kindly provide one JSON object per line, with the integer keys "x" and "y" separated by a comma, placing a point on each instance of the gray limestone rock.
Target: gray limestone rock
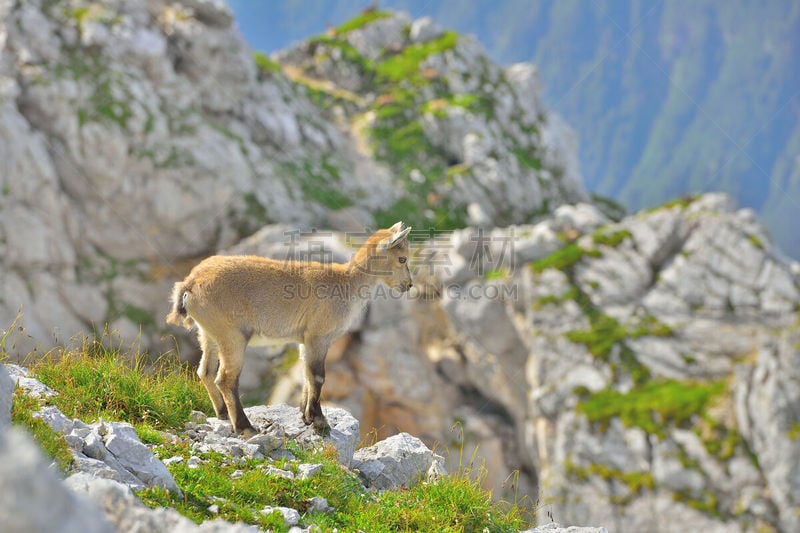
{"x": 6, "y": 397}
{"x": 121, "y": 440}
{"x": 344, "y": 433}
{"x": 29, "y": 384}
{"x": 553, "y": 527}
{"x": 33, "y": 496}
{"x": 395, "y": 462}
{"x": 290, "y": 516}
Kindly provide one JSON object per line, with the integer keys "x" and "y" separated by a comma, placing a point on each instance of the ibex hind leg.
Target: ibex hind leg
{"x": 314, "y": 377}
{"x": 231, "y": 356}
{"x": 207, "y": 370}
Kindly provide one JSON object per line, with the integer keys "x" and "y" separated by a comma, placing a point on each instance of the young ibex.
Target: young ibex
{"x": 236, "y": 300}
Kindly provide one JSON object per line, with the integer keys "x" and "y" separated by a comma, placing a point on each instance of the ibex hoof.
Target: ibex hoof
{"x": 321, "y": 426}
{"x": 246, "y": 433}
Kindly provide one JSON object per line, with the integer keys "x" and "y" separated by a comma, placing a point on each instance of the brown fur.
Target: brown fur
{"x": 233, "y": 299}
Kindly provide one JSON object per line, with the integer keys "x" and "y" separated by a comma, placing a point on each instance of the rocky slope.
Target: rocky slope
{"x": 110, "y": 462}
{"x": 137, "y": 137}
{"x": 620, "y": 372}
{"x": 623, "y": 372}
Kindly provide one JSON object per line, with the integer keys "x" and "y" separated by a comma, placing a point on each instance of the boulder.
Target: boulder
{"x": 287, "y": 421}
{"x": 290, "y": 516}
{"x": 583, "y": 218}
{"x": 123, "y": 443}
{"x": 29, "y": 384}
{"x": 398, "y": 461}
{"x": 33, "y": 496}
{"x": 110, "y": 450}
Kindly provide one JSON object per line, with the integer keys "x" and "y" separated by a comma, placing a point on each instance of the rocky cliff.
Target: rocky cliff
{"x": 137, "y": 137}
{"x": 640, "y": 374}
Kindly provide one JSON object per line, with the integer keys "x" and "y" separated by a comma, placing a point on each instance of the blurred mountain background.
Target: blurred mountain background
{"x": 668, "y": 98}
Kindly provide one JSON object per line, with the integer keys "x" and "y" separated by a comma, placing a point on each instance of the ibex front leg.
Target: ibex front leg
{"x": 313, "y": 352}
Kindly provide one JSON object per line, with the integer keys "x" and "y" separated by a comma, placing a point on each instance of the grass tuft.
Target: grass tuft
{"x": 564, "y": 257}
{"x": 405, "y": 65}
{"x": 612, "y": 239}
{"x": 361, "y": 20}
{"x": 265, "y": 64}
{"x": 451, "y": 503}
{"x": 653, "y": 406}
{"x": 99, "y": 381}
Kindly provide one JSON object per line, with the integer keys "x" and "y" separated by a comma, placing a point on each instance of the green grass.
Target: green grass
{"x": 348, "y": 53}
{"x": 606, "y": 332}
{"x": 496, "y": 273}
{"x": 98, "y": 381}
{"x": 612, "y": 239}
{"x": 653, "y": 406}
{"x": 564, "y": 257}
{"x": 474, "y": 103}
{"x": 404, "y": 66}
{"x": 266, "y": 64}
{"x": 102, "y": 104}
{"x": 452, "y": 503}
{"x": 755, "y": 241}
{"x": 635, "y": 481}
{"x": 682, "y": 202}
{"x": 707, "y": 502}
{"x": 549, "y": 299}
{"x": 794, "y": 431}
{"x": 361, "y": 20}
{"x": 650, "y": 325}
{"x": 601, "y": 338}
{"x": 320, "y": 182}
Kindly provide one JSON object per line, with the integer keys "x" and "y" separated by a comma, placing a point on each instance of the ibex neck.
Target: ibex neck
{"x": 359, "y": 276}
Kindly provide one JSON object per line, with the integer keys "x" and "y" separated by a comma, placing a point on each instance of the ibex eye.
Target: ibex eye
{"x": 402, "y": 259}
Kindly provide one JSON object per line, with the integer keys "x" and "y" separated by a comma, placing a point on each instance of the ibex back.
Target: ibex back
{"x": 236, "y": 300}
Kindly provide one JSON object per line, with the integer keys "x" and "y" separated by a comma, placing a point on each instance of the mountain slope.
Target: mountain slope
{"x": 641, "y": 374}
{"x": 667, "y": 98}
{"x": 138, "y": 137}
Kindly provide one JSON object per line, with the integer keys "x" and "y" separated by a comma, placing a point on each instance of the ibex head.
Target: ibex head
{"x": 385, "y": 254}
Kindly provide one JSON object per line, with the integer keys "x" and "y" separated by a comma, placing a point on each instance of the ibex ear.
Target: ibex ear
{"x": 397, "y": 238}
